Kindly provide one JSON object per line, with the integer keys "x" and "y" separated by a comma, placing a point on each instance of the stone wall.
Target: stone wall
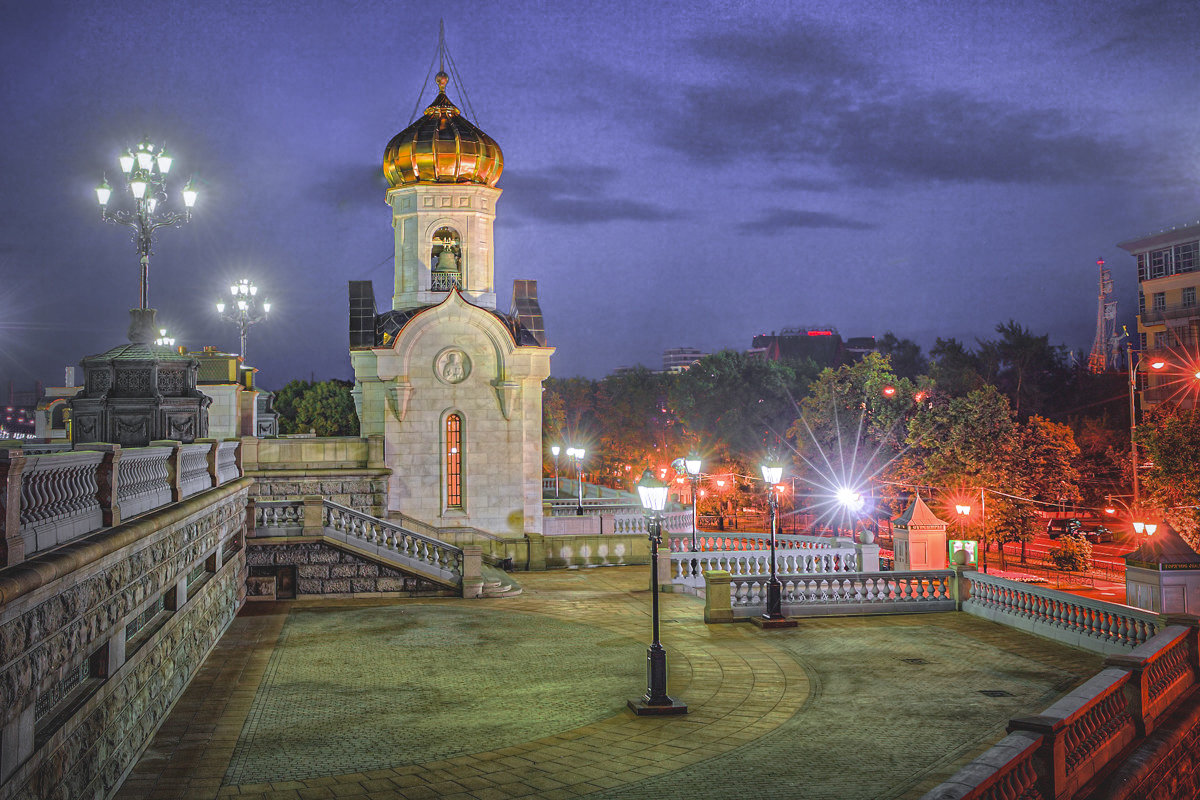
{"x": 72, "y": 606}
{"x": 364, "y": 490}
{"x": 322, "y": 569}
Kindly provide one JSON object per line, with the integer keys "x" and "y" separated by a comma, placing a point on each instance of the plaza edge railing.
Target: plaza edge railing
{"x": 53, "y": 496}
{"x": 1070, "y": 748}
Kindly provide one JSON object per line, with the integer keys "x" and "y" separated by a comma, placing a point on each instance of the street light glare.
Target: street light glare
{"x": 1157, "y": 364}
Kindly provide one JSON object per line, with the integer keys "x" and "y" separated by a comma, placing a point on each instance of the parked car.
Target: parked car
{"x": 1095, "y": 533}
{"x": 1059, "y": 527}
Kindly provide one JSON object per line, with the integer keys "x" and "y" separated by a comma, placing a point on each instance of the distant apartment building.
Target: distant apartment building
{"x": 680, "y": 359}
{"x": 825, "y": 346}
{"x": 1168, "y": 330}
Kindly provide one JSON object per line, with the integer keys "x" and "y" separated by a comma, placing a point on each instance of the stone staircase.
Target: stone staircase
{"x": 498, "y": 583}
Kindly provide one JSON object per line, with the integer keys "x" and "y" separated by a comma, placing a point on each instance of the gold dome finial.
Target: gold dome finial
{"x": 442, "y": 79}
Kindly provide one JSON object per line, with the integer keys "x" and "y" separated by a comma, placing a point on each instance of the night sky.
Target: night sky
{"x": 676, "y": 174}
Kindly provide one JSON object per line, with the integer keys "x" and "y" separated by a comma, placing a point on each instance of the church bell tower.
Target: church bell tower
{"x": 442, "y": 171}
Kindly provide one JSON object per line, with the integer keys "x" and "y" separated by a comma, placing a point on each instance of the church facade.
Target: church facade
{"x": 453, "y": 385}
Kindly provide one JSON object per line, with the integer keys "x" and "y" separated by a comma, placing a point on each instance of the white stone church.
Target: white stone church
{"x": 452, "y": 384}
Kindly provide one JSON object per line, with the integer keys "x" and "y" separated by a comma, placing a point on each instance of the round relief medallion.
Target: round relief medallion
{"x": 452, "y": 365}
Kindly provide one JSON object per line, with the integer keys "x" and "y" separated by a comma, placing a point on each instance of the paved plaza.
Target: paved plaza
{"x": 525, "y": 697}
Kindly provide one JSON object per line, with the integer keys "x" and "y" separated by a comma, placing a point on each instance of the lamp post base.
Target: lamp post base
{"x": 773, "y": 622}
{"x": 644, "y": 709}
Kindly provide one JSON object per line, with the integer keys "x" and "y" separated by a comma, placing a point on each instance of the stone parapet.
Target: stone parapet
{"x": 134, "y": 609}
{"x": 361, "y": 489}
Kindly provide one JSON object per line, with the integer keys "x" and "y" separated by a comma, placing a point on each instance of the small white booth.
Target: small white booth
{"x": 919, "y": 538}
{"x": 1163, "y": 574}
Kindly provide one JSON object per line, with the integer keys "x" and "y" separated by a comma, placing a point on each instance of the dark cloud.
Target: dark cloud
{"x": 355, "y": 185}
{"x": 574, "y": 196}
{"x": 791, "y": 183}
{"x": 781, "y": 220}
{"x": 878, "y": 132}
{"x": 1144, "y": 30}
{"x": 808, "y": 49}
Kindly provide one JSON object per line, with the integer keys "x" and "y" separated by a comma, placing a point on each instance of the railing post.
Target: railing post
{"x": 108, "y": 481}
{"x": 174, "y": 473}
{"x": 1050, "y": 760}
{"x": 12, "y": 465}
{"x": 472, "y": 571}
{"x": 960, "y": 585}
{"x": 212, "y": 457}
{"x": 313, "y": 508}
{"x": 718, "y": 605}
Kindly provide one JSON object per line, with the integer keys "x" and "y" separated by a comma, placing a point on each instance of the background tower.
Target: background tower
{"x": 1104, "y": 349}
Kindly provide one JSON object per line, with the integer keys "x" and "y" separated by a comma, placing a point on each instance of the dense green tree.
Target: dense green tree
{"x": 905, "y": 356}
{"x": 636, "y": 427}
{"x": 953, "y": 368}
{"x": 325, "y": 407}
{"x": 738, "y": 406}
{"x": 1170, "y": 441}
{"x": 1028, "y": 369}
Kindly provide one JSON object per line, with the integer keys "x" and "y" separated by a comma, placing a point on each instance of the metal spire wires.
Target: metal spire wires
{"x": 444, "y": 59}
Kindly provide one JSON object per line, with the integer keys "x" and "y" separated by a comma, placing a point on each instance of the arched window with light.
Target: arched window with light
{"x": 454, "y": 461}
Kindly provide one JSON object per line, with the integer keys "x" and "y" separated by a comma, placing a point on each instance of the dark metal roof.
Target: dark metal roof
{"x": 389, "y": 324}
{"x": 1165, "y": 547}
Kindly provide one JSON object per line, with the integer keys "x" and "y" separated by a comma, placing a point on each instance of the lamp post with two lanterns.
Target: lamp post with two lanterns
{"x": 245, "y": 309}
{"x": 653, "y": 495}
{"x": 146, "y": 180}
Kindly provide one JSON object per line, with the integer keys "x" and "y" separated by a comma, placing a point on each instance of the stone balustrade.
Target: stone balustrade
{"x": 1071, "y": 619}
{"x": 637, "y": 523}
{"x": 748, "y": 541}
{"x": 830, "y": 594}
{"x": 193, "y": 469}
{"x": 59, "y": 498}
{"x": 278, "y": 518}
{"x": 393, "y": 543}
{"x": 52, "y": 497}
{"x": 143, "y": 480}
{"x": 687, "y": 569}
{"x": 1064, "y": 751}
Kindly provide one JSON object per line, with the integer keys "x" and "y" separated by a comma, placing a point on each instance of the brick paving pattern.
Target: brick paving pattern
{"x": 829, "y": 709}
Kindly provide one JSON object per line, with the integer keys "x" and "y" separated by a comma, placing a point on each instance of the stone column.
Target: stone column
{"x": 718, "y": 603}
{"x": 313, "y": 524}
{"x": 472, "y": 571}
{"x": 12, "y": 547}
{"x": 211, "y": 459}
{"x": 107, "y": 480}
{"x": 174, "y": 474}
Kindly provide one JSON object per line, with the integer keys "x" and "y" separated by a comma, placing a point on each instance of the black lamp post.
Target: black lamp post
{"x": 247, "y": 309}
{"x": 554, "y": 451}
{"x": 773, "y": 617}
{"x": 692, "y": 464}
{"x": 146, "y": 180}
{"x": 653, "y": 494}
{"x": 577, "y": 453}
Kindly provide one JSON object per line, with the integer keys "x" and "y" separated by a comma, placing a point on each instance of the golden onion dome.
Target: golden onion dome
{"x": 442, "y": 147}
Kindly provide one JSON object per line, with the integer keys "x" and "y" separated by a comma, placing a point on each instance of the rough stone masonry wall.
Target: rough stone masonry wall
{"x": 48, "y": 631}
{"x": 362, "y": 490}
{"x": 325, "y": 570}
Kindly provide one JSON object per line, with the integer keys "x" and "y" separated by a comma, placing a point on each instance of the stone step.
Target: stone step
{"x": 498, "y": 583}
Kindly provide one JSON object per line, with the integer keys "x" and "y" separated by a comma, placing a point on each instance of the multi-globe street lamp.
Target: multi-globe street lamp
{"x": 653, "y": 495}
{"x": 245, "y": 309}
{"x": 772, "y": 473}
{"x": 692, "y": 465}
{"x": 146, "y": 180}
{"x": 164, "y": 339}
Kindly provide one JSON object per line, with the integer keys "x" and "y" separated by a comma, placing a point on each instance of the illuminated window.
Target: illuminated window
{"x": 454, "y": 461}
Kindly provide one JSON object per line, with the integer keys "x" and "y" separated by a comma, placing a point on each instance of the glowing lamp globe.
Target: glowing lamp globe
{"x": 652, "y": 492}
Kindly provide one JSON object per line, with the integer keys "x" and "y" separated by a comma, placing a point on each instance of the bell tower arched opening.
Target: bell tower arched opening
{"x": 446, "y": 260}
